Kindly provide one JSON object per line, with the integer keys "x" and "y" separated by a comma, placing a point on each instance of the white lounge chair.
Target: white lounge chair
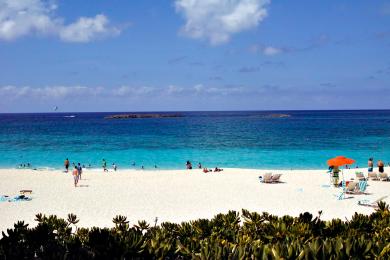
{"x": 373, "y": 204}
{"x": 384, "y": 177}
{"x": 266, "y": 178}
{"x": 351, "y": 187}
{"x": 276, "y": 178}
{"x": 360, "y": 187}
{"x": 373, "y": 176}
{"x": 360, "y": 176}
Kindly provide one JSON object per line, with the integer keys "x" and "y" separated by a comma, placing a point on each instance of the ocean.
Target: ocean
{"x": 242, "y": 139}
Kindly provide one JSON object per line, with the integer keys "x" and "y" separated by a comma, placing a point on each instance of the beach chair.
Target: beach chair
{"x": 384, "y": 177}
{"x": 267, "y": 178}
{"x": 351, "y": 187}
{"x": 360, "y": 188}
{"x": 276, "y": 178}
{"x": 341, "y": 195}
{"x": 360, "y": 176}
{"x": 23, "y": 192}
{"x": 373, "y": 204}
{"x": 373, "y": 176}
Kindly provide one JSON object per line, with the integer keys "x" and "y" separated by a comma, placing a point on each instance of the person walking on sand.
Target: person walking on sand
{"x": 370, "y": 165}
{"x": 66, "y": 164}
{"x": 75, "y": 174}
{"x": 80, "y": 170}
{"x": 381, "y": 166}
{"x": 104, "y": 165}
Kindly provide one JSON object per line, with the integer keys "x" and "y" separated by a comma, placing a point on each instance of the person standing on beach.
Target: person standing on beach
{"x": 104, "y": 165}
{"x": 66, "y": 164}
{"x": 370, "y": 165}
{"x": 75, "y": 174}
{"x": 381, "y": 166}
{"x": 80, "y": 170}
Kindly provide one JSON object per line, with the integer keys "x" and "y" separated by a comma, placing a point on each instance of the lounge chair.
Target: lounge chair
{"x": 351, "y": 188}
{"x": 360, "y": 188}
{"x": 373, "y": 176}
{"x": 267, "y": 178}
{"x": 23, "y": 192}
{"x": 384, "y": 177}
{"x": 360, "y": 176}
{"x": 276, "y": 178}
{"x": 373, "y": 204}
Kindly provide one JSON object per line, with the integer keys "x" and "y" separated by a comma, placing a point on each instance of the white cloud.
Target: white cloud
{"x": 87, "y": 29}
{"x": 217, "y": 20}
{"x": 131, "y": 91}
{"x": 271, "y": 51}
{"x": 172, "y": 89}
{"x": 20, "y": 18}
{"x": 49, "y": 92}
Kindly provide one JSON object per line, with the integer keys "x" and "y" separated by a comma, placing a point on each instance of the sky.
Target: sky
{"x": 185, "y": 55}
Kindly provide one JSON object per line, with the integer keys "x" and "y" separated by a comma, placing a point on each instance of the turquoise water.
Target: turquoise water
{"x": 306, "y": 139}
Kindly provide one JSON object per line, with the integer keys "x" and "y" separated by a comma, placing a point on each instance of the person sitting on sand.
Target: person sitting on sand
{"x": 66, "y": 164}
{"x": 75, "y": 174}
{"x": 217, "y": 169}
{"x": 205, "y": 170}
{"x": 381, "y": 166}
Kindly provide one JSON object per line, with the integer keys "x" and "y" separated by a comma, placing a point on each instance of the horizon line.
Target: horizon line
{"x": 203, "y": 111}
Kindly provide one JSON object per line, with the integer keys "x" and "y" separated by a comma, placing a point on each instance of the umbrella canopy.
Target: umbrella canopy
{"x": 340, "y": 161}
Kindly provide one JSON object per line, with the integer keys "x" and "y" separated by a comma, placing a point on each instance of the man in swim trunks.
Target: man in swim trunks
{"x": 370, "y": 164}
{"x": 75, "y": 174}
{"x": 66, "y": 164}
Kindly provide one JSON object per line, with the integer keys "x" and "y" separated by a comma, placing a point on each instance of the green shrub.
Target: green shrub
{"x": 258, "y": 236}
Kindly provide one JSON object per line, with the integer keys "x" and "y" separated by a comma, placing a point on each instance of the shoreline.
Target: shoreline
{"x": 176, "y": 195}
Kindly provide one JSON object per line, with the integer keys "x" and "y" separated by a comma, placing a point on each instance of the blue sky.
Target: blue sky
{"x": 154, "y": 55}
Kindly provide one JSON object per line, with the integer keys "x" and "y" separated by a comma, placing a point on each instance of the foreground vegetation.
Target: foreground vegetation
{"x": 260, "y": 236}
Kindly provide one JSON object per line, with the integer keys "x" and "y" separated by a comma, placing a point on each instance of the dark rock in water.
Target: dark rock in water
{"x": 277, "y": 116}
{"x": 135, "y": 116}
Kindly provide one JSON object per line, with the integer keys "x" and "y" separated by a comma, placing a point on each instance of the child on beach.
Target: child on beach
{"x": 75, "y": 174}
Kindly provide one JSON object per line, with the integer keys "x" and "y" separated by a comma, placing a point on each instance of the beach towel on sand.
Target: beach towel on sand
{"x": 15, "y": 199}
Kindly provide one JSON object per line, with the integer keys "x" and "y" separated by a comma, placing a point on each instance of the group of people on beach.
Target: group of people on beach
{"x": 77, "y": 171}
{"x": 205, "y": 170}
{"x": 380, "y": 164}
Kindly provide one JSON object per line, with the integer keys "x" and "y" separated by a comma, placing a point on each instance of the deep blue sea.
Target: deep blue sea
{"x": 306, "y": 139}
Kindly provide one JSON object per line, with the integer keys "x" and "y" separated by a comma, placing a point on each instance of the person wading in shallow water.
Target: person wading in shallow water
{"x": 104, "y": 165}
{"x": 75, "y": 174}
{"x": 66, "y": 164}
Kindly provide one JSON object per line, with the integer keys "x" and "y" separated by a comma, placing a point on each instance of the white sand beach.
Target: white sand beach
{"x": 176, "y": 195}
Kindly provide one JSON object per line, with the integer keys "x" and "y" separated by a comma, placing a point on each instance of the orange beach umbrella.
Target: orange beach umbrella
{"x": 340, "y": 161}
